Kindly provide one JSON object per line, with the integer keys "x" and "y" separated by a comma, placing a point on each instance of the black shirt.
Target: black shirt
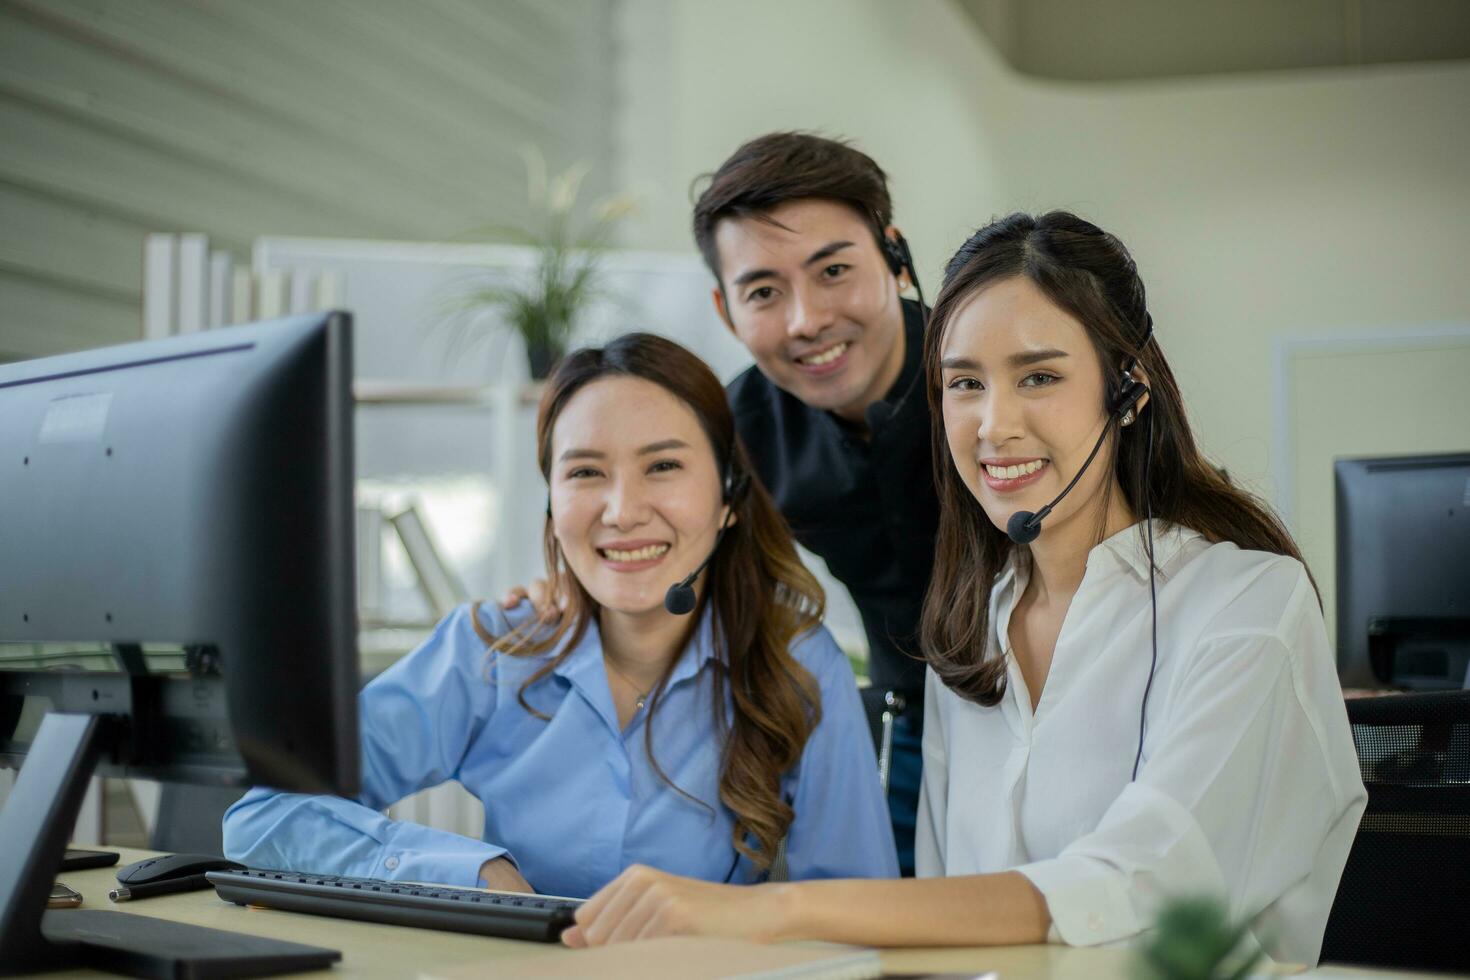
{"x": 866, "y": 506}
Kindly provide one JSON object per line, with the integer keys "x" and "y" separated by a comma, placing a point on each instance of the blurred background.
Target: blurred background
{"x": 1293, "y": 177}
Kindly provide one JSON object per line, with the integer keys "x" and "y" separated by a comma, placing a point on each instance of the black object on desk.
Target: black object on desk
{"x": 168, "y": 886}
{"x": 167, "y": 874}
{"x": 165, "y": 867}
{"x": 506, "y": 915}
{"x": 143, "y": 946}
{"x": 79, "y": 860}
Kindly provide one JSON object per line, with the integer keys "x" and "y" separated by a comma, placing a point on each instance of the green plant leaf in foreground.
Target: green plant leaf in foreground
{"x": 1194, "y": 939}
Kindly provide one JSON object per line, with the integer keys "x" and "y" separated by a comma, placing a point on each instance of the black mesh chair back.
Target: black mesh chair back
{"x": 1404, "y": 900}
{"x": 189, "y": 818}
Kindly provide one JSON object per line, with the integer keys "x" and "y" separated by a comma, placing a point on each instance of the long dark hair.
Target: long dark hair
{"x": 1087, "y": 272}
{"x": 762, "y": 594}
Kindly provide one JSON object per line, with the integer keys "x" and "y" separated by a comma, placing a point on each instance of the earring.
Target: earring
{"x": 1128, "y": 418}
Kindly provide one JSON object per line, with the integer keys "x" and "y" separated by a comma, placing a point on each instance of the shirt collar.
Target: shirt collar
{"x": 584, "y": 665}
{"x": 1130, "y": 546}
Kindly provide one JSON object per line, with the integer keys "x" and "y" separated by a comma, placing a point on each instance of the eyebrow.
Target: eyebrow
{"x": 1015, "y": 360}
{"x": 825, "y": 252}
{"x": 653, "y": 447}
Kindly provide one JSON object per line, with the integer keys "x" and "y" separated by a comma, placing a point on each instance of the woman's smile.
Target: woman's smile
{"x": 633, "y": 556}
{"x": 1007, "y": 475}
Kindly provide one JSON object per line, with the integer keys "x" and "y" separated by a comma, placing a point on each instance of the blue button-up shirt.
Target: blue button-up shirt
{"x": 576, "y": 799}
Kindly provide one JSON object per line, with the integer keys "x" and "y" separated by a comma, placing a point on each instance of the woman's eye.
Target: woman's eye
{"x": 1038, "y": 380}
{"x": 834, "y": 270}
{"x": 964, "y": 384}
{"x": 581, "y": 473}
{"x": 665, "y": 466}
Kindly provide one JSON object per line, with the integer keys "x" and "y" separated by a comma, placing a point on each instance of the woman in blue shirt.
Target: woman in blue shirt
{"x": 624, "y": 733}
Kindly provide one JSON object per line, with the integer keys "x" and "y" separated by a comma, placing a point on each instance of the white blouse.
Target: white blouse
{"x": 1249, "y": 786}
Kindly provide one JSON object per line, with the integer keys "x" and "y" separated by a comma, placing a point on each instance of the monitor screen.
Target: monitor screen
{"x": 178, "y": 542}
{"x": 1403, "y": 571}
{"x": 176, "y": 597}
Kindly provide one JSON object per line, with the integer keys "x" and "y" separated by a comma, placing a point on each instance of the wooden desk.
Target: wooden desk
{"x": 373, "y": 950}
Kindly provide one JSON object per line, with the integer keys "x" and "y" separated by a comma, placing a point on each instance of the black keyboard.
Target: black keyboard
{"x": 503, "y": 914}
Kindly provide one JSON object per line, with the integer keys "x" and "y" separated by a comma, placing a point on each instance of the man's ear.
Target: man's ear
{"x": 891, "y": 237}
{"x": 718, "y": 295}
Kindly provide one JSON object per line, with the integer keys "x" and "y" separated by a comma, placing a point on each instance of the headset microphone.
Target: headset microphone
{"x": 1024, "y": 525}
{"x": 680, "y": 600}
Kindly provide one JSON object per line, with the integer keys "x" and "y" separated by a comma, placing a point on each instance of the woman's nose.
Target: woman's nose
{"x": 626, "y": 504}
{"x": 999, "y": 420}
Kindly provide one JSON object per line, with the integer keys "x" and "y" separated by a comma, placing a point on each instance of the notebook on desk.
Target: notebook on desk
{"x": 682, "y": 958}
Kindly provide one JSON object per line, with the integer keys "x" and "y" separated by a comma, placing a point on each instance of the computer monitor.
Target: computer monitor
{"x": 1403, "y": 571}
{"x": 177, "y": 595}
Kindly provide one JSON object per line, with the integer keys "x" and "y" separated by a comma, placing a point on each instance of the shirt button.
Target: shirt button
{"x": 391, "y": 863}
{"x": 1094, "y": 922}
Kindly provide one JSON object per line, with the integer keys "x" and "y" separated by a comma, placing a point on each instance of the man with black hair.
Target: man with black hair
{"x": 809, "y": 271}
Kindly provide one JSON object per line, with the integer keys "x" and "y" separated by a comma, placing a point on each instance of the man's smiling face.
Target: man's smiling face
{"x": 809, "y": 294}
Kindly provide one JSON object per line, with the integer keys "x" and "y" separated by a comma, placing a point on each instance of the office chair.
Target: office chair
{"x": 1404, "y": 898}
{"x": 189, "y": 817}
{"x": 883, "y": 709}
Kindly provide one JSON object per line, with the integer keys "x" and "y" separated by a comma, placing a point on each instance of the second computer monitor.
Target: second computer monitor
{"x": 1403, "y": 571}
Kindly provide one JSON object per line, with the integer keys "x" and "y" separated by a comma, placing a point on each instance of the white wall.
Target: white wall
{"x": 363, "y": 118}
{"x": 1329, "y": 202}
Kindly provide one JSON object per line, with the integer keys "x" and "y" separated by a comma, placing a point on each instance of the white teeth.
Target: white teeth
{"x": 642, "y": 554}
{"x": 827, "y": 356}
{"x": 1012, "y": 472}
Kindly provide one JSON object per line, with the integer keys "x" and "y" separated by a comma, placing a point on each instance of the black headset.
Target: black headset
{"x": 896, "y": 253}
{"x": 736, "y": 482}
{"x": 680, "y": 599}
{"x": 1024, "y": 525}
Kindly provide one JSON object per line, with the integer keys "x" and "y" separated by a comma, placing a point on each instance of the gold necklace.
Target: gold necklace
{"x": 638, "y": 699}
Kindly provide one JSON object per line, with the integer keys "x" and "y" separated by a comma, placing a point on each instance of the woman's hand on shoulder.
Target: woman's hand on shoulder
{"x": 547, "y": 604}
{"x": 643, "y": 902}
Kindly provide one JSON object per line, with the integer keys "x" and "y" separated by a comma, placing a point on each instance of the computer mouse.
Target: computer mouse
{"x": 167, "y": 866}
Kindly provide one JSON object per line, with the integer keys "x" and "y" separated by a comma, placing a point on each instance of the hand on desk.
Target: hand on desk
{"x": 501, "y": 875}
{"x": 642, "y": 903}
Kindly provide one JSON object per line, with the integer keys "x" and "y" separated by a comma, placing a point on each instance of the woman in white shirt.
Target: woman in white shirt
{"x": 1100, "y": 734}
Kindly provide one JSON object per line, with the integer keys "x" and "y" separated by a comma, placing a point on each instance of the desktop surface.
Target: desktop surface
{"x": 372, "y": 950}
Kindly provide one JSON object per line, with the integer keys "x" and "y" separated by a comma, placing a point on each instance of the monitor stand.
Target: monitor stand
{"x": 36, "y": 823}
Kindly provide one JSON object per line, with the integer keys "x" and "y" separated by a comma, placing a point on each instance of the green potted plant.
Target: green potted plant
{"x": 544, "y": 307}
{"x": 1194, "y": 939}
